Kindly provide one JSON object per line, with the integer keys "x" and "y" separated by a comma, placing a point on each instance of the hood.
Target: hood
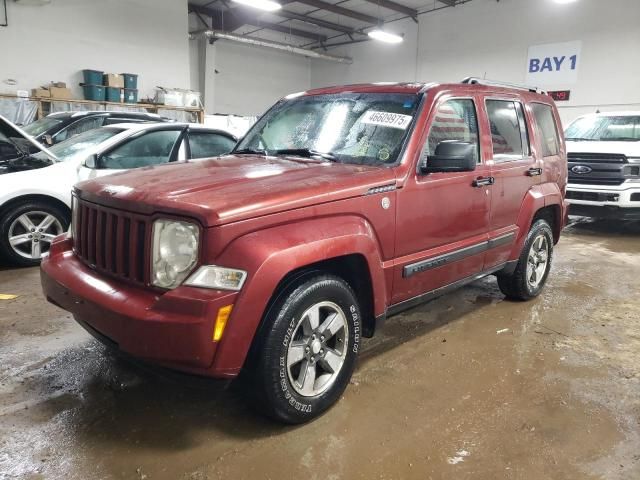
{"x": 630, "y": 149}
{"x": 23, "y": 142}
{"x": 23, "y": 163}
{"x": 233, "y": 188}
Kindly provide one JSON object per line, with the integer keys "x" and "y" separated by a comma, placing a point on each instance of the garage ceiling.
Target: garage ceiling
{"x": 311, "y": 23}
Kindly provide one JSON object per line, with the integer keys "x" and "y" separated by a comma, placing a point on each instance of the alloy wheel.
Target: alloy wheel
{"x": 317, "y": 349}
{"x": 30, "y": 235}
{"x": 537, "y": 261}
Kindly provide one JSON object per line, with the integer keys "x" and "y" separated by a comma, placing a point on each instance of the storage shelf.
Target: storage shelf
{"x": 44, "y": 105}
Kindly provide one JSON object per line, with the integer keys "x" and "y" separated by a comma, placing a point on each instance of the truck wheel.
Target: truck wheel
{"x": 310, "y": 349}
{"x": 533, "y": 267}
{"x": 27, "y": 229}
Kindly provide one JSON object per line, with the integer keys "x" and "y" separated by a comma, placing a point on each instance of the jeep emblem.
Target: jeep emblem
{"x": 386, "y": 203}
{"x": 581, "y": 169}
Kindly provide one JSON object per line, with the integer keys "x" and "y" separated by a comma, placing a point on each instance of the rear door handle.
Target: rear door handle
{"x": 534, "y": 172}
{"x": 483, "y": 182}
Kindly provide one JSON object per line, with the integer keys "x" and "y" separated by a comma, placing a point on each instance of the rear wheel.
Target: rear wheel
{"x": 27, "y": 230}
{"x": 309, "y": 352}
{"x": 533, "y": 267}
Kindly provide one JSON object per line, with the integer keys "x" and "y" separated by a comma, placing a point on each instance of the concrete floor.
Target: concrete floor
{"x": 468, "y": 386}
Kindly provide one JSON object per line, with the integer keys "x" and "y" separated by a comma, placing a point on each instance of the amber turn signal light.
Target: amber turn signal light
{"x": 221, "y": 322}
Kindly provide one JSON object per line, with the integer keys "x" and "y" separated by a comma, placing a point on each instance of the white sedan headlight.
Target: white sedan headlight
{"x": 175, "y": 252}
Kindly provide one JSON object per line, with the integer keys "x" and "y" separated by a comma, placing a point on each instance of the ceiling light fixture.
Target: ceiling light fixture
{"x": 267, "y": 5}
{"x": 565, "y": 1}
{"x": 386, "y": 37}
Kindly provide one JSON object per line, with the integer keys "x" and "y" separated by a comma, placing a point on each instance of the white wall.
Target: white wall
{"x": 54, "y": 42}
{"x": 249, "y": 79}
{"x": 485, "y": 37}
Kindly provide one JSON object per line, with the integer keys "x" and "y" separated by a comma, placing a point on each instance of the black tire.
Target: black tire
{"x": 273, "y": 389}
{"x": 7, "y": 252}
{"x": 517, "y": 286}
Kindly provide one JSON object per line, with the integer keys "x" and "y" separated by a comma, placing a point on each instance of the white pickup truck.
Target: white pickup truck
{"x": 604, "y": 165}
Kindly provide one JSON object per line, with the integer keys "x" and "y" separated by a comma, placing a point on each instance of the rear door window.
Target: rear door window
{"x": 547, "y": 129}
{"x": 153, "y": 148}
{"x": 209, "y": 144}
{"x": 508, "y": 130}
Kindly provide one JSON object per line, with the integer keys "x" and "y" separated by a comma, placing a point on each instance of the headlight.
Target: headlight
{"x": 633, "y": 159}
{"x": 212, "y": 276}
{"x": 175, "y": 252}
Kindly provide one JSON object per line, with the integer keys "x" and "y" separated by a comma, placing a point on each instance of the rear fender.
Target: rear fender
{"x": 269, "y": 255}
{"x": 538, "y": 197}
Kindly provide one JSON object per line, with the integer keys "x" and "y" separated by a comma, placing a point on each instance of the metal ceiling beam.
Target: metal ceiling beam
{"x": 237, "y": 17}
{"x": 314, "y": 21}
{"x": 450, "y": 3}
{"x": 322, "y": 5}
{"x": 396, "y": 7}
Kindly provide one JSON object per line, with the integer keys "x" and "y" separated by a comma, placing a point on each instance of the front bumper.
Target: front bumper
{"x": 173, "y": 328}
{"x": 620, "y": 201}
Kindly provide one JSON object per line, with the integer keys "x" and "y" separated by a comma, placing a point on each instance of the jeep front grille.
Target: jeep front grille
{"x": 113, "y": 241}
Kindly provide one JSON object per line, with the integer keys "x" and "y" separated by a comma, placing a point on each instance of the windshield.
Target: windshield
{"x": 601, "y": 128}
{"x": 78, "y": 144}
{"x": 38, "y": 127}
{"x": 361, "y": 128}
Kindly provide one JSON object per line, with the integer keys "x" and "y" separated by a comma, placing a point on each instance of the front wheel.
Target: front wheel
{"x": 533, "y": 267}
{"x": 27, "y": 230}
{"x": 308, "y": 355}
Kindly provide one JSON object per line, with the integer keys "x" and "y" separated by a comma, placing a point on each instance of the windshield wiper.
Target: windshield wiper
{"x": 254, "y": 151}
{"x": 306, "y": 152}
{"x": 579, "y": 139}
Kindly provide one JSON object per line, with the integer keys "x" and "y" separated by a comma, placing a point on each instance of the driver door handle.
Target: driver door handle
{"x": 534, "y": 172}
{"x": 483, "y": 182}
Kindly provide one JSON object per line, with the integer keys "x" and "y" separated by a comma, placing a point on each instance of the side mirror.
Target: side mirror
{"x": 91, "y": 161}
{"x": 450, "y": 156}
{"x": 48, "y": 139}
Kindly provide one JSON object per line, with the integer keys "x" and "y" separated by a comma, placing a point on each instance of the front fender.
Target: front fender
{"x": 269, "y": 255}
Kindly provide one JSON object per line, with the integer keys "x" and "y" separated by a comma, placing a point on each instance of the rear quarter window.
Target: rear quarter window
{"x": 547, "y": 129}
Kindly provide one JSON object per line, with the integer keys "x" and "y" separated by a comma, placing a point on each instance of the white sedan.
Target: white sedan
{"x": 35, "y": 190}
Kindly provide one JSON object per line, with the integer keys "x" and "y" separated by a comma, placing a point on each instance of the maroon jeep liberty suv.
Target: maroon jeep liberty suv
{"x": 340, "y": 207}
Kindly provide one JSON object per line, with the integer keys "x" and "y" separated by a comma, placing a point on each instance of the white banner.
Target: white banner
{"x": 554, "y": 64}
{"x": 387, "y": 119}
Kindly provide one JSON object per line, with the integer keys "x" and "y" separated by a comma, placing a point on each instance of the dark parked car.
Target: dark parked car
{"x": 56, "y": 127}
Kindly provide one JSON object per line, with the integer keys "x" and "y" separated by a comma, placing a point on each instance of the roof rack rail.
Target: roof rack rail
{"x": 494, "y": 83}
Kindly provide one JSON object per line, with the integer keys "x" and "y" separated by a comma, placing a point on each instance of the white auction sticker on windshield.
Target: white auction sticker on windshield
{"x": 387, "y": 119}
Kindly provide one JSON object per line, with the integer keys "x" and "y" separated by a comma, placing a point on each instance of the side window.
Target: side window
{"x": 508, "y": 130}
{"x": 152, "y": 148}
{"x": 454, "y": 120}
{"x": 78, "y": 127}
{"x": 547, "y": 129}
{"x": 206, "y": 144}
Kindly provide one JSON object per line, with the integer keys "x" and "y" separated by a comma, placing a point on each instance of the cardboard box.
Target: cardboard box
{"x": 60, "y": 93}
{"x": 59, "y": 84}
{"x": 40, "y": 92}
{"x": 113, "y": 80}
